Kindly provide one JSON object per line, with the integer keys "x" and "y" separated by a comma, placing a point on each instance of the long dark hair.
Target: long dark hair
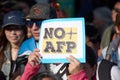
{"x": 4, "y": 42}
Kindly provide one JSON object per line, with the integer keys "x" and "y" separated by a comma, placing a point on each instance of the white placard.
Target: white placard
{"x": 60, "y": 38}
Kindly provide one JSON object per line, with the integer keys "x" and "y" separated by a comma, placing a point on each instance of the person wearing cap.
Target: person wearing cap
{"x": 11, "y": 37}
{"x": 37, "y": 14}
{"x": 106, "y": 37}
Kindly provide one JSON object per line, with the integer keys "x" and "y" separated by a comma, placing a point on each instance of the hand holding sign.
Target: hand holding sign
{"x": 74, "y": 66}
{"x": 34, "y": 58}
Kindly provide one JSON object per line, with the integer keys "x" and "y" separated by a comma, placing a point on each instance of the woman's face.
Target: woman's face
{"x": 14, "y": 34}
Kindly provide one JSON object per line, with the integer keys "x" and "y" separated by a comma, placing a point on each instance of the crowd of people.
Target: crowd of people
{"x": 20, "y": 58}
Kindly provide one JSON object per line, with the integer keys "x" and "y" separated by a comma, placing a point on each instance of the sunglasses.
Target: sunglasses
{"x": 117, "y": 10}
{"x": 37, "y": 22}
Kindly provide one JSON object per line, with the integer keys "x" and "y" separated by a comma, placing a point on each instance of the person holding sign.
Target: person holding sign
{"x": 77, "y": 70}
{"x": 38, "y": 13}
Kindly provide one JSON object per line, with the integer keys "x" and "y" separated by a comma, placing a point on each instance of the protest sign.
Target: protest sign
{"x": 60, "y": 38}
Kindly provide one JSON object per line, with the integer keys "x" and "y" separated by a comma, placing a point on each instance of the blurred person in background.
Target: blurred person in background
{"x": 92, "y": 37}
{"x": 60, "y": 13}
{"x": 109, "y": 67}
{"x": 24, "y": 5}
{"x": 102, "y": 18}
{"x": 112, "y": 52}
{"x": 106, "y": 37}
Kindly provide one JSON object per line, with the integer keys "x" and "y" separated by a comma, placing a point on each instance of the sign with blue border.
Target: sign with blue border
{"x": 60, "y": 38}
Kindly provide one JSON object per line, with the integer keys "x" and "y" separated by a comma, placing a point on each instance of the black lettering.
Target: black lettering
{"x": 48, "y": 33}
{"x": 59, "y": 36}
{"x": 60, "y": 46}
{"x": 70, "y": 46}
{"x": 49, "y": 47}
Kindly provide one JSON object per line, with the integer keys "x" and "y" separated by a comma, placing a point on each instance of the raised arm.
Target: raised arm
{"x": 32, "y": 66}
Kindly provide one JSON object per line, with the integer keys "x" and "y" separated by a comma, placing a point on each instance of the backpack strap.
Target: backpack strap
{"x": 104, "y": 71}
{"x": 62, "y": 70}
